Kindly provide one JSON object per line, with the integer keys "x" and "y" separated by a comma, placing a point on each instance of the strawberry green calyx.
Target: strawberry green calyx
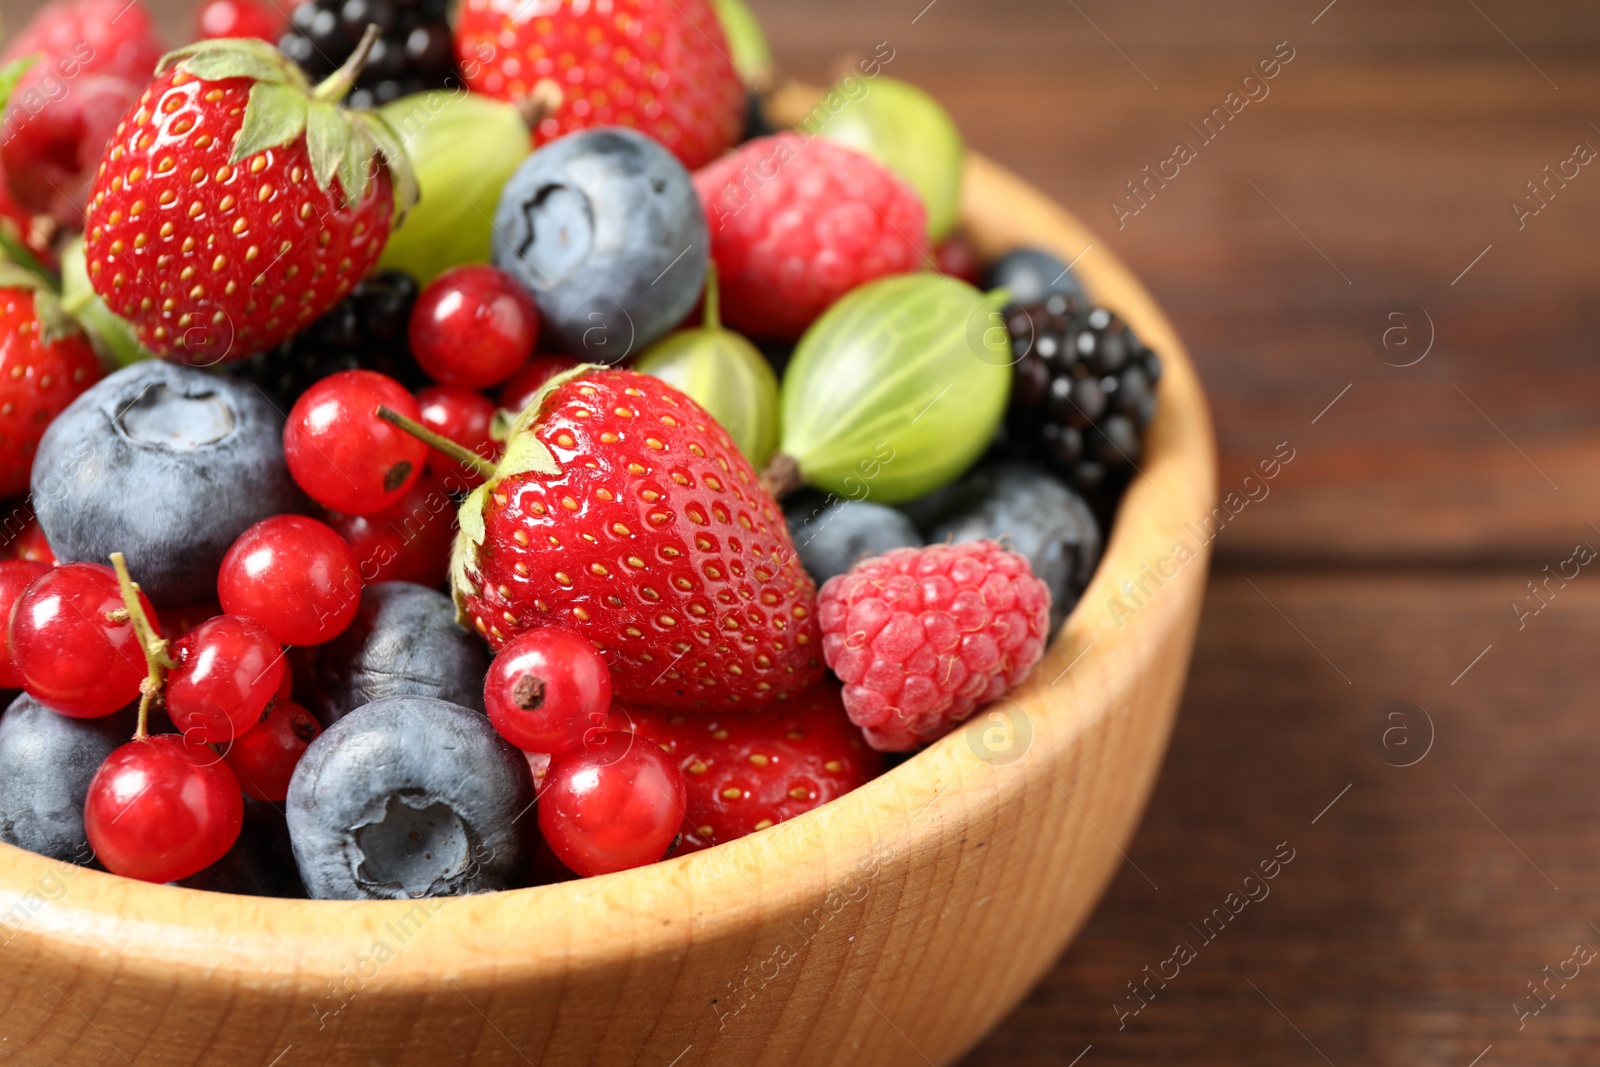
{"x": 524, "y": 453}
{"x": 53, "y": 318}
{"x": 283, "y": 105}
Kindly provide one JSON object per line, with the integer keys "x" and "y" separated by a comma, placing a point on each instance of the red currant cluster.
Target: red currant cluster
{"x": 385, "y": 490}
{"x": 86, "y": 642}
{"x": 605, "y": 803}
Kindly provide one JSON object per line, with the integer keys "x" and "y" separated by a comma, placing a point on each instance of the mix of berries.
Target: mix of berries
{"x": 502, "y": 563}
{"x": 413, "y": 53}
{"x": 364, "y": 331}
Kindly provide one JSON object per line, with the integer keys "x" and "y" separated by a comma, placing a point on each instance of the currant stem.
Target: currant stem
{"x": 155, "y": 649}
{"x": 337, "y": 85}
{"x": 460, "y": 453}
{"x": 713, "y": 298}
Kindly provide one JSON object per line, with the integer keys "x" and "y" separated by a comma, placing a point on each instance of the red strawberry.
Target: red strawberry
{"x": 24, "y": 236}
{"x": 623, "y": 511}
{"x": 660, "y": 66}
{"x": 237, "y": 204}
{"x": 92, "y": 57}
{"x": 746, "y": 772}
{"x": 44, "y": 364}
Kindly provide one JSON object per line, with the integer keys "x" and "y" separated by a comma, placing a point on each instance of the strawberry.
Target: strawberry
{"x": 746, "y": 772}
{"x": 237, "y": 204}
{"x": 92, "y": 59}
{"x": 660, "y": 66}
{"x": 45, "y": 362}
{"x": 26, "y": 237}
{"x": 623, "y": 511}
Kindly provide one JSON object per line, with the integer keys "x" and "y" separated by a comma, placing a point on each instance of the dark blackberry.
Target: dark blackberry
{"x": 415, "y": 52}
{"x": 1082, "y": 394}
{"x": 366, "y": 330}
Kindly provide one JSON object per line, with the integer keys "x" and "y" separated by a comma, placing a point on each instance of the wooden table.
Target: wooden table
{"x": 1375, "y": 177}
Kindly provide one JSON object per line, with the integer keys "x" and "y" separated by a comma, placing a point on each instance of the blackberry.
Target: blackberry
{"x": 1082, "y": 394}
{"x": 415, "y": 53}
{"x": 366, "y": 330}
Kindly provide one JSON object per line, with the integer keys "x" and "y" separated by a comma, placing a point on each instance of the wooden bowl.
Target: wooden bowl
{"x": 893, "y": 926}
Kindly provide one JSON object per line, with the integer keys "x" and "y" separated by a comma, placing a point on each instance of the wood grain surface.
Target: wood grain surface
{"x": 1388, "y": 555}
{"x": 1383, "y": 162}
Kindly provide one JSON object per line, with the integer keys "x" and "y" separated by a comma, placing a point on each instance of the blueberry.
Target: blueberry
{"x": 605, "y": 229}
{"x": 46, "y": 762}
{"x": 410, "y": 797}
{"x": 404, "y": 641}
{"x": 166, "y": 464}
{"x": 831, "y": 534}
{"x": 1031, "y": 274}
{"x": 260, "y": 863}
{"x": 1032, "y": 513}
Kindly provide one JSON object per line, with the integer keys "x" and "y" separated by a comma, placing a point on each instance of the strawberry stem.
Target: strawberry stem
{"x": 712, "y": 298}
{"x": 460, "y": 453}
{"x": 337, "y": 85}
{"x": 155, "y": 649}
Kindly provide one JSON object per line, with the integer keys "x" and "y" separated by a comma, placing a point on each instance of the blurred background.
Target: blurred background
{"x": 1388, "y": 264}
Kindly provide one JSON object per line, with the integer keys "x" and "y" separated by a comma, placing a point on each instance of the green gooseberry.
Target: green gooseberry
{"x": 747, "y": 44}
{"x": 464, "y": 147}
{"x": 895, "y": 391}
{"x": 725, "y": 374}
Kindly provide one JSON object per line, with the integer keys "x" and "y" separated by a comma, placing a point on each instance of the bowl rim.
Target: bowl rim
{"x": 64, "y": 912}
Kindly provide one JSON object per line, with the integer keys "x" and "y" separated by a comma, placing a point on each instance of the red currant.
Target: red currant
{"x": 15, "y": 576}
{"x": 265, "y": 758}
{"x": 547, "y": 689}
{"x": 464, "y": 417}
{"x": 473, "y": 326}
{"x": 31, "y": 545}
{"x": 294, "y": 576}
{"x": 526, "y": 383}
{"x": 409, "y": 542}
{"x": 228, "y": 668}
{"x": 957, "y": 259}
{"x": 160, "y": 809}
{"x": 240, "y": 18}
{"x": 614, "y": 804}
{"x": 72, "y": 643}
{"x": 344, "y": 456}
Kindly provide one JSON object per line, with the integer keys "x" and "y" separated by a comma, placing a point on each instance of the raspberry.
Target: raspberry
{"x": 796, "y": 223}
{"x": 922, "y": 637}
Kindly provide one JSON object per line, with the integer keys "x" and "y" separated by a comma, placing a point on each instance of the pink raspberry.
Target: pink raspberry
{"x": 797, "y": 222}
{"x": 923, "y": 637}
